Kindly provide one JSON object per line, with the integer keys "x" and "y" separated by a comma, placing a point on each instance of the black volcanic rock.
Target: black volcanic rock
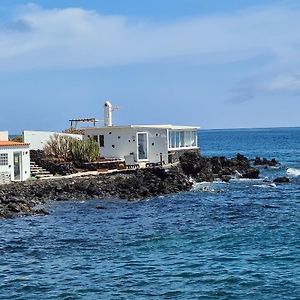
{"x": 281, "y": 180}
{"x": 258, "y": 161}
{"x": 23, "y": 198}
{"x": 251, "y": 173}
{"x": 51, "y": 165}
{"x": 203, "y": 168}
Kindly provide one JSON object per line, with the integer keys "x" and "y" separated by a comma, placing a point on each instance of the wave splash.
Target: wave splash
{"x": 293, "y": 172}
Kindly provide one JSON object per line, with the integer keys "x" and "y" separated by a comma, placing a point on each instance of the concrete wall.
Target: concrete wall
{"x": 25, "y": 162}
{"x": 38, "y": 139}
{"x": 119, "y": 142}
{"x": 3, "y": 135}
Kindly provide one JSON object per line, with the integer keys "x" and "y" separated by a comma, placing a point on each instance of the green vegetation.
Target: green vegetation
{"x": 70, "y": 149}
{"x": 17, "y": 138}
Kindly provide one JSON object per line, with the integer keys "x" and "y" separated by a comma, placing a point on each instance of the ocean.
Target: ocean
{"x": 236, "y": 240}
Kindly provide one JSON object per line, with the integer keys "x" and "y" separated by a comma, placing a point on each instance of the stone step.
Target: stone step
{"x": 43, "y": 173}
{"x": 41, "y": 176}
{"x": 38, "y": 171}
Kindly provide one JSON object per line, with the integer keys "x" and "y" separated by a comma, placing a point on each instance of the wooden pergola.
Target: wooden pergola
{"x": 74, "y": 122}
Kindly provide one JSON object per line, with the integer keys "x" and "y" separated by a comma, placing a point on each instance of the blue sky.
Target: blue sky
{"x": 214, "y": 64}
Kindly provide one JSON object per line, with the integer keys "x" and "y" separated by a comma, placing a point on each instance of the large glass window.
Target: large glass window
{"x": 182, "y": 138}
{"x": 193, "y": 138}
{"x": 3, "y": 159}
{"x": 173, "y": 139}
{"x": 187, "y": 138}
{"x": 177, "y": 139}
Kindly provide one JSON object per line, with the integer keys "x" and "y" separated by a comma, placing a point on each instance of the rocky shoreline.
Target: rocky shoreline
{"x": 26, "y": 198}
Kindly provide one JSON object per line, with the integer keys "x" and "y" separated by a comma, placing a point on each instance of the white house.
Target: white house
{"x": 14, "y": 160}
{"x": 146, "y": 143}
{"x": 38, "y": 139}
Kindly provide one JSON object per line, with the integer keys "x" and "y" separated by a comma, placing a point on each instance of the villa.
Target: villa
{"x": 14, "y": 160}
{"x": 145, "y": 144}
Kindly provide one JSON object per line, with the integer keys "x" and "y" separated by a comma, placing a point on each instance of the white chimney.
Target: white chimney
{"x": 108, "y": 113}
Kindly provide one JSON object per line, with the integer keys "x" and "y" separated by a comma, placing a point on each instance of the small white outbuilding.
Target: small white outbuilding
{"x": 14, "y": 160}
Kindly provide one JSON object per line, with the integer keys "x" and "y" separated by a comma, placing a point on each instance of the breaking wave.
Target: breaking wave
{"x": 293, "y": 172}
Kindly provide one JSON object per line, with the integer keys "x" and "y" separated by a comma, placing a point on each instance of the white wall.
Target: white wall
{"x": 38, "y": 139}
{"x": 124, "y": 141}
{"x": 3, "y": 135}
{"x": 25, "y": 161}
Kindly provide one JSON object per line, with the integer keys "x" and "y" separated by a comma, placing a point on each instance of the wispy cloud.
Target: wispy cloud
{"x": 37, "y": 38}
{"x": 287, "y": 84}
{"x": 283, "y": 83}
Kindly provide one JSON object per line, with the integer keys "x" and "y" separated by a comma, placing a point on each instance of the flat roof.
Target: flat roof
{"x": 163, "y": 126}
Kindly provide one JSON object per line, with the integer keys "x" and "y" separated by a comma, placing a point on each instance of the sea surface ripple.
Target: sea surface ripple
{"x": 237, "y": 240}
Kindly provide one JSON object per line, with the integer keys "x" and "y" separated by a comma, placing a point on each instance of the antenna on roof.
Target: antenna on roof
{"x": 108, "y": 109}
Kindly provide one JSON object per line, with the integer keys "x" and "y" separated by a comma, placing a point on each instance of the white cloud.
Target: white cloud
{"x": 283, "y": 83}
{"x": 38, "y": 38}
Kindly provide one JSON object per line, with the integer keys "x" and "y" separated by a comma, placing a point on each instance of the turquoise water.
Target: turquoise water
{"x": 238, "y": 240}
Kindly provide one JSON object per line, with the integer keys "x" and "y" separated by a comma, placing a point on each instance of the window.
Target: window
{"x": 187, "y": 138}
{"x": 193, "y": 138}
{"x": 177, "y": 139}
{"x": 101, "y": 140}
{"x": 173, "y": 139}
{"x": 95, "y": 138}
{"x": 3, "y": 159}
{"x": 182, "y": 139}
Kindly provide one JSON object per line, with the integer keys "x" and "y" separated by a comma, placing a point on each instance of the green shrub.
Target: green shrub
{"x": 70, "y": 149}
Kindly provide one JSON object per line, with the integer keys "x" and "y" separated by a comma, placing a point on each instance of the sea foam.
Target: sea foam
{"x": 293, "y": 172}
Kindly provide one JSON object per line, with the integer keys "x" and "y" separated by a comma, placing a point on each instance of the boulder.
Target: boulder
{"x": 251, "y": 173}
{"x": 258, "y": 161}
{"x": 225, "y": 178}
{"x": 281, "y": 180}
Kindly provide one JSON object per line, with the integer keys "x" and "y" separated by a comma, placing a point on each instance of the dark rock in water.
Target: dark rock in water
{"x": 225, "y": 178}
{"x": 100, "y": 207}
{"x": 251, "y": 173}
{"x": 281, "y": 180}
{"x": 241, "y": 157}
{"x": 40, "y": 211}
{"x": 258, "y": 161}
{"x": 209, "y": 168}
